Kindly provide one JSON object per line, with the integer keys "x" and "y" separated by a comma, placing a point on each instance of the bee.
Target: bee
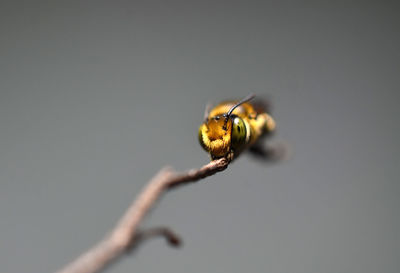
{"x": 233, "y": 126}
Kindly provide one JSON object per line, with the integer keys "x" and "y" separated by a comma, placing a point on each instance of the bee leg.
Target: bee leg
{"x": 230, "y": 156}
{"x": 271, "y": 153}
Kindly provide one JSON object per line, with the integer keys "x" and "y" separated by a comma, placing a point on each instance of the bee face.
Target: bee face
{"x": 215, "y": 136}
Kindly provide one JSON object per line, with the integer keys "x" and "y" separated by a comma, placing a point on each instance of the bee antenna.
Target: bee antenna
{"x": 246, "y": 99}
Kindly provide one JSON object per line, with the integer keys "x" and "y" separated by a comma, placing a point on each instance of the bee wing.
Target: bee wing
{"x": 262, "y": 104}
{"x": 207, "y": 111}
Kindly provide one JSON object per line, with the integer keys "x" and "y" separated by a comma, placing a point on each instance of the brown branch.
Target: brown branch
{"x": 170, "y": 236}
{"x": 123, "y": 236}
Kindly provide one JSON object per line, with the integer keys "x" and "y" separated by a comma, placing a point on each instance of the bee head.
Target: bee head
{"x": 215, "y": 135}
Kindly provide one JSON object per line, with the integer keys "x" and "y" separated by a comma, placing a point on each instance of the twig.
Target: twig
{"x": 123, "y": 236}
{"x": 170, "y": 236}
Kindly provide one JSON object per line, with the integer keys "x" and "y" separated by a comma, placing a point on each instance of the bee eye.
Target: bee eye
{"x": 200, "y": 136}
{"x": 238, "y": 133}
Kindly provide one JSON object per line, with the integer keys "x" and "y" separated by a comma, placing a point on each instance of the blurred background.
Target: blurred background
{"x": 97, "y": 96}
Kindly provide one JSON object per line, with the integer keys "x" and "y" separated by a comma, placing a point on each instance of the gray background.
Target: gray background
{"x": 97, "y": 96}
